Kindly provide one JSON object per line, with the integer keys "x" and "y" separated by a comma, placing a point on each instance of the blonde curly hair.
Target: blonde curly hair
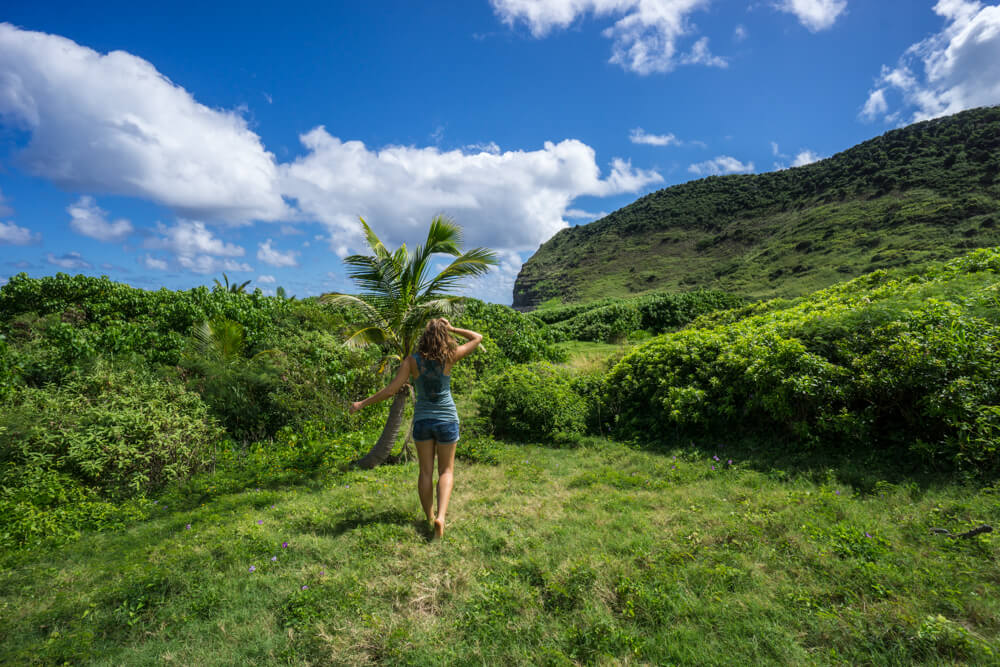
{"x": 436, "y": 343}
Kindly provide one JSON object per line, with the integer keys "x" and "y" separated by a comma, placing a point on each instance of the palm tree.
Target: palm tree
{"x": 398, "y": 297}
{"x": 231, "y": 287}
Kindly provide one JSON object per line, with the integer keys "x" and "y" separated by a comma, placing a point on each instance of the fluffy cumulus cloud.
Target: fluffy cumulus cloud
{"x": 88, "y": 219}
{"x": 69, "y": 260}
{"x": 11, "y": 234}
{"x": 196, "y": 248}
{"x": 512, "y": 199}
{"x": 806, "y": 157}
{"x": 815, "y": 15}
{"x": 644, "y": 37}
{"x": 639, "y": 136}
{"x": 723, "y": 164}
{"x": 151, "y": 262}
{"x": 498, "y": 285}
{"x": 957, "y": 68}
{"x": 112, "y": 123}
{"x": 274, "y": 257}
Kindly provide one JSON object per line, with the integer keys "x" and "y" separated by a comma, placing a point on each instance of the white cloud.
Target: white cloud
{"x": 266, "y": 280}
{"x": 775, "y": 150}
{"x": 805, "y": 157}
{"x": 952, "y": 70}
{"x": 498, "y": 285}
{"x": 700, "y": 55}
{"x": 644, "y": 38}
{"x": 740, "y": 33}
{"x": 491, "y": 147}
{"x": 70, "y": 260}
{"x": 191, "y": 237}
{"x": 112, "y": 123}
{"x": 269, "y": 255}
{"x": 196, "y": 248}
{"x": 11, "y": 234}
{"x": 151, "y": 262}
{"x": 875, "y": 105}
{"x": 4, "y": 280}
{"x": 639, "y": 136}
{"x": 815, "y": 15}
{"x": 579, "y": 214}
{"x": 90, "y": 220}
{"x": 514, "y": 200}
{"x": 288, "y": 230}
{"x": 723, "y": 164}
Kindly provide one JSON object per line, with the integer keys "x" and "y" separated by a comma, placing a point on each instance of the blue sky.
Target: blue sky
{"x": 165, "y": 145}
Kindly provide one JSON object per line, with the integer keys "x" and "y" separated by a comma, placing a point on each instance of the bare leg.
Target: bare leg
{"x": 425, "y": 481}
{"x": 446, "y": 468}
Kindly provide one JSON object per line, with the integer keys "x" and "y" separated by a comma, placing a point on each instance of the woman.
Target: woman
{"x": 435, "y": 419}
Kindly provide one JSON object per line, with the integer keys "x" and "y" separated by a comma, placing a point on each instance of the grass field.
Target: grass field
{"x": 601, "y": 554}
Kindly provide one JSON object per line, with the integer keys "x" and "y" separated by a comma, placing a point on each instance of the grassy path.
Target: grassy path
{"x": 596, "y": 555}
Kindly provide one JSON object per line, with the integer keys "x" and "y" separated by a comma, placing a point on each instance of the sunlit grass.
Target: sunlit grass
{"x": 600, "y": 554}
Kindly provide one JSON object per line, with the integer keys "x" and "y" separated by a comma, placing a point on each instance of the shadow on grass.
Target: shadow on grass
{"x": 361, "y": 519}
{"x": 862, "y": 467}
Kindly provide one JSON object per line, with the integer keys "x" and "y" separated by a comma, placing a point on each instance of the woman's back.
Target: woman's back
{"x": 433, "y": 388}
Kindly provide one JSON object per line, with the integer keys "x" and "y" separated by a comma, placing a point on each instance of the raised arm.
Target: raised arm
{"x": 473, "y": 340}
{"x": 397, "y": 383}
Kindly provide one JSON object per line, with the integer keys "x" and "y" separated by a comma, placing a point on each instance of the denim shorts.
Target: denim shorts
{"x": 444, "y": 432}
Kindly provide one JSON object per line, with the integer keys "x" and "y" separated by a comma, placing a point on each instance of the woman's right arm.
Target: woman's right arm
{"x": 472, "y": 342}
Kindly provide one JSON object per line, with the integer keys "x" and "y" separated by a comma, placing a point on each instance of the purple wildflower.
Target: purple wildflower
{"x": 272, "y": 506}
{"x": 867, "y": 534}
{"x": 715, "y": 457}
{"x": 284, "y": 545}
{"x": 713, "y": 467}
{"x": 260, "y": 522}
{"x": 274, "y": 558}
{"x": 305, "y": 587}
{"x": 322, "y": 573}
{"x": 837, "y": 492}
{"x": 156, "y": 502}
{"x": 730, "y": 462}
{"x": 187, "y": 527}
{"x": 253, "y": 568}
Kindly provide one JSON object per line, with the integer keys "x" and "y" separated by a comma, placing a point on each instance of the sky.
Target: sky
{"x": 167, "y": 144}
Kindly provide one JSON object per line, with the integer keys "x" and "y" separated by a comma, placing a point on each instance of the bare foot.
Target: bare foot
{"x": 439, "y": 528}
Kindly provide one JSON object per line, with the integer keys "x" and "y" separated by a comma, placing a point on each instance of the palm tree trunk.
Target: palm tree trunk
{"x": 380, "y": 450}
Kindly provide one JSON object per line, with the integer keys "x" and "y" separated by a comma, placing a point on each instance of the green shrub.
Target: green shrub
{"x": 533, "y": 402}
{"x": 906, "y": 363}
{"x": 519, "y": 338}
{"x": 611, "y": 320}
{"x": 120, "y": 431}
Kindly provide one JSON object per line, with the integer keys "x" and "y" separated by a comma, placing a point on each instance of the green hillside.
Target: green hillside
{"x": 929, "y": 191}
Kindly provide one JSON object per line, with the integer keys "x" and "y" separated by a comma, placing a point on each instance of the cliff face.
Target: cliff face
{"x": 925, "y": 192}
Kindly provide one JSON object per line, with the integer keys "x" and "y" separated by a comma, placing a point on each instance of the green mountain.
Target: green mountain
{"x": 929, "y": 191}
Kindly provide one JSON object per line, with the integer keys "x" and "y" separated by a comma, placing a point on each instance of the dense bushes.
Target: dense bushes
{"x": 120, "y": 431}
{"x": 910, "y": 363}
{"x": 534, "y": 402}
{"x": 612, "y": 320}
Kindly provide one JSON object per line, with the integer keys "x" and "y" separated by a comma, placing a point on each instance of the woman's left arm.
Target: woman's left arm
{"x": 402, "y": 375}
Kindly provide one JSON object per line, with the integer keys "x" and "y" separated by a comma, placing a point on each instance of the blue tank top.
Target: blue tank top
{"x": 433, "y": 387}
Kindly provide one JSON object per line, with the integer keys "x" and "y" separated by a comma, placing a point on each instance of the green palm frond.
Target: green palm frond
{"x": 474, "y": 263}
{"x": 222, "y": 340}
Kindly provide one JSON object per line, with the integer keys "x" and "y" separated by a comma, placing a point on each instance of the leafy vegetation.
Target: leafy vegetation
{"x": 923, "y": 193}
{"x": 399, "y": 296}
{"x": 906, "y": 363}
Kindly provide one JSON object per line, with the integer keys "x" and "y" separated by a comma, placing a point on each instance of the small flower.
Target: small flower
{"x": 715, "y": 457}
{"x": 187, "y": 527}
{"x": 253, "y": 568}
{"x": 260, "y": 522}
{"x": 284, "y": 545}
{"x": 305, "y": 587}
{"x": 156, "y": 502}
{"x": 322, "y": 573}
{"x": 713, "y": 467}
{"x": 274, "y": 558}
{"x": 730, "y": 462}
{"x": 868, "y": 535}
{"x": 272, "y": 506}
{"x": 837, "y": 492}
